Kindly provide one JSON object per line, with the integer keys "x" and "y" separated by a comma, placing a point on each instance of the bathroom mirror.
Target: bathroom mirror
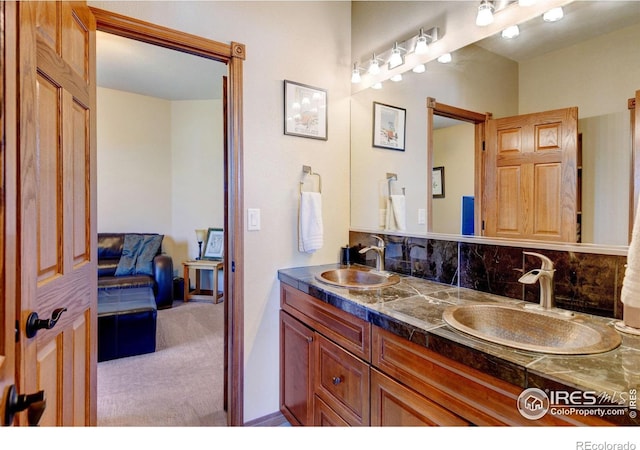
{"x": 595, "y": 73}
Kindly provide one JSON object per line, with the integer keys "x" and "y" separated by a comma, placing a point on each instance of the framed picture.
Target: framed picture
{"x": 437, "y": 181}
{"x": 214, "y": 247}
{"x": 389, "y": 126}
{"x": 305, "y": 111}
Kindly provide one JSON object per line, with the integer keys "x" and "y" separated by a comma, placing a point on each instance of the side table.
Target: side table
{"x": 198, "y": 293}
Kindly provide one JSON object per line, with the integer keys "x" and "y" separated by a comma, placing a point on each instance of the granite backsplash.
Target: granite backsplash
{"x": 584, "y": 282}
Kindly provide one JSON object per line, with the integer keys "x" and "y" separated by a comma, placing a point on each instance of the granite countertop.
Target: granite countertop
{"x": 413, "y": 309}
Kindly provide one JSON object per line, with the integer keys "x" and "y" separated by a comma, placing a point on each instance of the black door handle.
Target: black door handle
{"x": 34, "y": 323}
{"x": 34, "y": 403}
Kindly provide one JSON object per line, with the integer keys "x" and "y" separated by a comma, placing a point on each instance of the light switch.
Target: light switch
{"x": 422, "y": 216}
{"x": 253, "y": 219}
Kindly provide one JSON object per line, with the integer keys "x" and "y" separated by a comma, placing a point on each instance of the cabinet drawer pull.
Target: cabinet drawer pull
{"x": 336, "y": 380}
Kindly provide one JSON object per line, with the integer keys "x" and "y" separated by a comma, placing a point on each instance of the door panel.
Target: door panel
{"x": 531, "y": 176}
{"x": 57, "y": 195}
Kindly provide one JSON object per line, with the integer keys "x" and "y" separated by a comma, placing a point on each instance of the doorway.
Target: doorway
{"x": 233, "y": 56}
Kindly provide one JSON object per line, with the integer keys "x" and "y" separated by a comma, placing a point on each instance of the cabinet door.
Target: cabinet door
{"x": 342, "y": 381}
{"x": 395, "y": 405}
{"x": 296, "y": 370}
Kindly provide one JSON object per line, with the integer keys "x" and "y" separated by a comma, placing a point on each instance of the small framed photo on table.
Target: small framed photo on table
{"x": 214, "y": 247}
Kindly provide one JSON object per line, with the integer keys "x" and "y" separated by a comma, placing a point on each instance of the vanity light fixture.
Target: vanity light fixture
{"x": 395, "y": 59}
{"x": 485, "y": 13}
{"x": 444, "y": 59}
{"x": 511, "y": 32}
{"x": 420, "y": 68}
{"x": 374, "y": 66}
{"x": 396, "y": 77}
{"x": 355, "y": 74}
{"x": 553, "y": 15}
{"x": 526, "y": 2}
{"x": 422, "y": 47}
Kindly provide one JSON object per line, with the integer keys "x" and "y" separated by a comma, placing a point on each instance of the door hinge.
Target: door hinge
{"x": 483, "y": 146}
{"x": 233, "y": 266}
{"x": 483, "y": 225}
{"x": 17, "y": 331}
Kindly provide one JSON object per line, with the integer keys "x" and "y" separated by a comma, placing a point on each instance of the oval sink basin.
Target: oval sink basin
{"x": 354, "y": 278}
{"x": 530, "y": 330}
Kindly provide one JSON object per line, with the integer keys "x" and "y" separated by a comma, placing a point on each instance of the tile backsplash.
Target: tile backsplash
{"x": 584, "y": 282}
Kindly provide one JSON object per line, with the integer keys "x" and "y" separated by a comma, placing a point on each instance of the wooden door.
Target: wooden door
{"x": 56, "y": 208}
{"x": 7, "y": 201}
{"x": 531, "y": 176}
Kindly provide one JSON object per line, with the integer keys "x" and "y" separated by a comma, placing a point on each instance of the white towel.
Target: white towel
{"x": 630, "y": 294}
{"x": 396, "y": 213}
{"x": 310, "y": 228}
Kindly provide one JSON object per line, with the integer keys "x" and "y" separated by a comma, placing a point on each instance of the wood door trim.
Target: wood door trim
{"x": 233, "y": 55}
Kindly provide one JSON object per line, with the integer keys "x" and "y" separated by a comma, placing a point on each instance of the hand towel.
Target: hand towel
{"x": 310, "y": 230}
{"x": 396, "y": 213}
{"x": 630, "y": 294}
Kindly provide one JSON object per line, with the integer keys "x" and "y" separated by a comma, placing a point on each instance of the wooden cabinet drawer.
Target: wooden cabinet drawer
{"x": 323, "y": 416}
{"x": 342, "y": 381}
{"x": 348, "y": 331}
{"x": 477, "y": 397}
{"x": 394, "y": 405}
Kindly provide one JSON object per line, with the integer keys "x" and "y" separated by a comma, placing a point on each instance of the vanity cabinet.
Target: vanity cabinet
{"x": 324, "y": 362}
{"x": 337, "y": 370}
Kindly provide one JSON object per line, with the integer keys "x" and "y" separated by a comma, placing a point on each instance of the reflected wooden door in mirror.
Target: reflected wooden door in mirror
{"x": 531, "y": 176}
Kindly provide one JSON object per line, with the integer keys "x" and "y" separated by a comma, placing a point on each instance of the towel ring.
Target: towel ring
{"x": 306, "y": 170}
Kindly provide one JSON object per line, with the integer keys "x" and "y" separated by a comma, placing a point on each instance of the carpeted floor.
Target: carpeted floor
{"x": 181, "y": 384}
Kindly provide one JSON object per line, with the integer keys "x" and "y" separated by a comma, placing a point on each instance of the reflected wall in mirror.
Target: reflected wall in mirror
{"x": 594, "y": 73}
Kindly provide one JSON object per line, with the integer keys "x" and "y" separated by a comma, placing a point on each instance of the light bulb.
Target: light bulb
{"x": 374, "y": 67}
{"x": 444, "y": 59}
{"x": 421, "y": 45}
{"x": 396, "y": 77}
{"x": 377, "y": 85}
{"x": 396, "y": 58}
{"x": 355, "y": 75}
{"x": 511, "y": 32}
{"x": 420, "y": 68}
{"x": 526, "y": 2}
{"x": 553, "y": 15}
{"x": 485, "y": 14}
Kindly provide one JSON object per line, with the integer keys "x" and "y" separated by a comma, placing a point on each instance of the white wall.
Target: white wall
{"x": 306, "y": 42}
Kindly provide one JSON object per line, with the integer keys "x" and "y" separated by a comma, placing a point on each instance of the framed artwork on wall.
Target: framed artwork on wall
{"x": 214, "y": 247}
{"x": 305, "y": 111}
{"x": 437, "y": 181}
{"x": 389, "y": 126}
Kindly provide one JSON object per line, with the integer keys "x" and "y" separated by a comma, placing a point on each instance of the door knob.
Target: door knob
{"x": 35, "y": 405}
{"x": 34, "y": 323}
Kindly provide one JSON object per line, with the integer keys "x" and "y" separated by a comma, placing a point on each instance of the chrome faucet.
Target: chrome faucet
{"x": 379, "y": 251}
{"x": 545, "y": 276}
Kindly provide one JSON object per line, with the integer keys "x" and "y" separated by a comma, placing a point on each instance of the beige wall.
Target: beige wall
{"x": 453, "y": 149}
{"x": 160, "y": 168}
{"x": 569, "y": 77}
{"x": 306, "y": 42}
